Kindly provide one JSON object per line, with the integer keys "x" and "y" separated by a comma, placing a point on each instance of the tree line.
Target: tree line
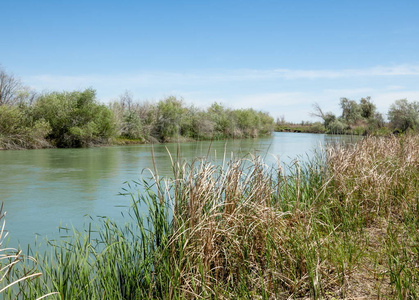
{"x": 362, "y": 117}
{"x": 359, "y": 118}
{"x": 78, "y": 119}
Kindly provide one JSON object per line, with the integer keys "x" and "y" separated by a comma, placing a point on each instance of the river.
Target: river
{"x": 43, "y": 190}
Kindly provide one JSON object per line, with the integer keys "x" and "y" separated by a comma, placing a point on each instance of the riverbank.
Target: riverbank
{"x": 77, "y": 120}
{"x": 318, "y": 127}
{"x": 11, "y": 144}
{"x": 300, "y": 128}
{"x": 344, "y": 225}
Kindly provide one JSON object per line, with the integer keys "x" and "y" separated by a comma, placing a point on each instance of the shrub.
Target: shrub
{"x": 76, "y": 119}
{"x": 169, "y": 118}
{"x": 404, "y": 115}
{"x": 336, "y": 127}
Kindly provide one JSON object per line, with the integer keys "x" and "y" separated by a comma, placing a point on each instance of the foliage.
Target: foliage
{"x": 336, "y": 127}
{"x": 367, "y": 108}
{"x": 171, "y": 120}
{"x": 18, "y": 129}
{"x": 76, "y": 119}
{"x": 10, "y": 119}
{"x": 351, "y": 111}
{"x": 356, "y": 118}
{"x": 127, "y": 120}
{"x": 220, "y": 116}
{"x": 404, "y": 115}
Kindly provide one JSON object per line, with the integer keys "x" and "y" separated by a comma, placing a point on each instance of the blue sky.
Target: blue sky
{"x": 276, "y": 56}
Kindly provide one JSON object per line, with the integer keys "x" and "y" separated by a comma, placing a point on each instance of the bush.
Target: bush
{"x": 404, "y": 115}
{"x": 169, "y": 117}
{"x": 11, "y": 120}
{"x": 18, "y": 130}
{"x": 76, "y": 119}
{"x": 336, "y": 127}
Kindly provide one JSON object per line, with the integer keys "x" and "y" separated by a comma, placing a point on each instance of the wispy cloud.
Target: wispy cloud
{"x": 147, "y": 78}
{"x": 278, "y": 91}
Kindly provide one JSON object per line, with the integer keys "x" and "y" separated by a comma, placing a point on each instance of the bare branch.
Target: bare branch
{"x": 9, "y": 87}
{"x": 318, "y": 112}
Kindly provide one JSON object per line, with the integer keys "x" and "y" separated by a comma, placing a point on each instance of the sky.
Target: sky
{"x": 280, "y": 57}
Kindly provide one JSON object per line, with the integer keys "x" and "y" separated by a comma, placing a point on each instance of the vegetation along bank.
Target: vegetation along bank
{"x": 77, "y": 119}
{"x": 359, "y": 118}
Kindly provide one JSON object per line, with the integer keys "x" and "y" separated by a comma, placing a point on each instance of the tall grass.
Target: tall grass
{"x": 12, "y": 273}
{"x": 344, "y": 225}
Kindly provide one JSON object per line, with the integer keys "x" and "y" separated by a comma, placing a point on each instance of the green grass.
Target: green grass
{"x": 344, "y": 225}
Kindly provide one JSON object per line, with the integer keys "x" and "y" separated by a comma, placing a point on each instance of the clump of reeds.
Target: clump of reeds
{"x": 11, "y": 272}
{"x": 234, "y": 235}
{"x": 374, "y": 189}
{"x": 376, "y": 176}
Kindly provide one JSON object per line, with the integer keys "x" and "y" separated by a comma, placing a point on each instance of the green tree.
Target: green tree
{"x": 351, "y": 111}
{"x": 336, "y": 127}
{"x": 126, "y": 117}
{"x": 131, "y": 125}
{"x": 220, "y": 117}
{"x": 19, "y": 130}
{"x": 266, "y": 123}
{"x": 367, "y": 108}
{"x": 76, "y": 119}
{"x": 328, "y": 118}
{"x": 404, "y": 115}
{"x": 11, "y": 118}
{"x": 169, "y": 118}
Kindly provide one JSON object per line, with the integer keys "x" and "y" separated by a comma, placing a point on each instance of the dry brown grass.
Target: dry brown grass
{"x": 377, "y": 180}
{"x": 249, "y": 225}
{"x": 377, "y": 173}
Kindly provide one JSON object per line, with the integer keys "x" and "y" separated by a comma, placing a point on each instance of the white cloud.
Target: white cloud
{"x": 395, "y": 87}
{"x": 145, "y": 79}
{"x": 278, "y": 91}
{"x": 385, "y": 99}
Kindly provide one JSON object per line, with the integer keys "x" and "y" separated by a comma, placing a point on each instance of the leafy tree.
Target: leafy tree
{"x": 204, "y": 127}
{"x": 126, "y": 117}
{"x": 247, "y": 122}
{"x": 132, "y": 125}
{"x": 367, "y": 108}
{"x": 337, "y": 127}
{"x": 329, "y": 118}
{"x": 220, "y": 116}
{"x": 356, "y": 117}
{"x": 351, "y": 111}
{"x": 76, "y": 119}
{"x": 169, "y": 117}
{"x": 266, "y": 123}
{"x": 10, "y": 120}
{"x": 19, "y": 130}
{"x": 196, "y": 124}
{"x": 404, "y": 115}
